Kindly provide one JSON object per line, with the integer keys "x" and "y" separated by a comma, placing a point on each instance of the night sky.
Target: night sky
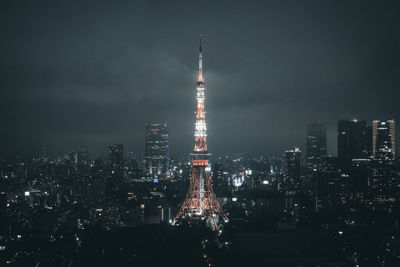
{"x": 92, "y": 72}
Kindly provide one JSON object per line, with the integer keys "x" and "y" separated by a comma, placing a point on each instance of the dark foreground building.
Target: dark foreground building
{"x": 354, "y": 141}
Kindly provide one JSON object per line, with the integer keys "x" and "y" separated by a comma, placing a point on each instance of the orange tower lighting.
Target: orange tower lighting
{"x": 200, "y": 201}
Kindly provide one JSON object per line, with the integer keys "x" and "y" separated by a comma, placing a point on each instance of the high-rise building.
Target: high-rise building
{"x": 316, "y": 143}
{"x": 383, "y": 140}
{"x": 116, "y": 157}
{"x": 156, "y": 148}
{"x": 354, "y": 141}
{"x": 292, "y": 168}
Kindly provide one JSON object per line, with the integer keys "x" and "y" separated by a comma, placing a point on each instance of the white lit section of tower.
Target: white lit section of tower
{"x": 200, "y": 133}
{"x": 200, "y": 155}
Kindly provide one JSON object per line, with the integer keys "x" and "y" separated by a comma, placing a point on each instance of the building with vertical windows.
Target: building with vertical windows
{"x": 291, "y": 167}
{"x": 316, "y": 143}
{"x": 116, "y": 158}
{"x": 354, "y": 141}
{"x": 156, "y": 149}
{"x": 383, "y": 140}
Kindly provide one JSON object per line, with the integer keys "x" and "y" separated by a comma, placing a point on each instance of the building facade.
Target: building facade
{"x": 291, "y": 167}
{"x": 354, "y": 141}
{"x": 116, "y": 158}
{"x": 156, "y": 149}
{"x": 316, "y": 143}
{"x": 383, "y": 140}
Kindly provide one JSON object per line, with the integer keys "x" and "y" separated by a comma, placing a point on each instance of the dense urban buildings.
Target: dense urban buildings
{"x": 74, "y": 206}
{"x": 156, "y": 149}
{"x": 114, "y": 152}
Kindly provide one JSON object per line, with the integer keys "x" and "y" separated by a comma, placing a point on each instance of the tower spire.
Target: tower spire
{"x": 200, "y": 43}
{"x": 200, "y": 78}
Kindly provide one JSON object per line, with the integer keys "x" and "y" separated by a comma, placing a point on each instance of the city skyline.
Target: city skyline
{"x": 306, "y": 146}
{"x": 272, "y": 71}
{"x": 199, "y": 133}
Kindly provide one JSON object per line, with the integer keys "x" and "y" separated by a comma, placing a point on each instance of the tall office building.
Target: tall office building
{"x": 354, "y": 141}
{"x": 383, "y": 140}
{"x": 316, "y": 143}
{"x": 292, "y": 168}
{"x": 156, "y": 148}
{"x": 116, "y": 157}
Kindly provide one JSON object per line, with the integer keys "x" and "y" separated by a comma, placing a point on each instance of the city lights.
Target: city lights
{"x": 114, "y": 152}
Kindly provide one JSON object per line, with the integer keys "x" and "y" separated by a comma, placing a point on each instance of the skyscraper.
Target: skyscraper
{"x": 116, "y": 157}
{"x": 156, "y": 148}
{"x": 354, "y": 141}
{"x": 383, "y": 140}
{"x": 316, "y": 143}
{"x": 292, "y": 168}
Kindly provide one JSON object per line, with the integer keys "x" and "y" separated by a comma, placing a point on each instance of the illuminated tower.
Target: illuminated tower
{"x": 200, "y": 202}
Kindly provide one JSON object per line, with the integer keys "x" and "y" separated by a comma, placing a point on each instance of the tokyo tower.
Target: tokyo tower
{"x": 200, "y": 202}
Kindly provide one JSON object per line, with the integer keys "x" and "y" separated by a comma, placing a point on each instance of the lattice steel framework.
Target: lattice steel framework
{"x": 200, "y": 201}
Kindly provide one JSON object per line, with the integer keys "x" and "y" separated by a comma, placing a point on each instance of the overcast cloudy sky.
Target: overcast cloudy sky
{"x": 93, "y": 72}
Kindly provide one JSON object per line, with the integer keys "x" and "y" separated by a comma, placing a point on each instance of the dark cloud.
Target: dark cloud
{"x": 93, "y": 72}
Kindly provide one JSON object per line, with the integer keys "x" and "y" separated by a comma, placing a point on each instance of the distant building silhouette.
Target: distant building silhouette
{"x": 83, "y": 156}
{"x": 156, "y": 148}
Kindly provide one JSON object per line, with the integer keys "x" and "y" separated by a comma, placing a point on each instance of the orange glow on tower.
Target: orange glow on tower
{"x": 200, "y": 201}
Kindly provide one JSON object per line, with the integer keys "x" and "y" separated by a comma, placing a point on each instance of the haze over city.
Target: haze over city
{"x": 199, "y": 133}
{"x": 93, "y": 73}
